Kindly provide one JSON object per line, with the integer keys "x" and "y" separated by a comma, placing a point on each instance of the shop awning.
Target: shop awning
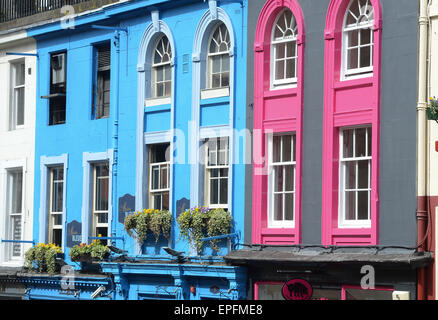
{"x": 396, "y": 259}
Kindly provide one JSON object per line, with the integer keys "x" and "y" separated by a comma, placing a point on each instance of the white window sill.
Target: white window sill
{"x": 215, "y": 93}
{"x": 13, "y": 264}
{"x": 357, "y": 75}
{"x": 17, "y": 128}
{"x": 158, "y": 101}
{"x": 288, "y": 225}
{"x": 284, "y": 84}
{"x": 355, "y": 225}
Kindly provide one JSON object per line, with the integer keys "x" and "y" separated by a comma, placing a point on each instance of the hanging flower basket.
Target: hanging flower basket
{"x": 88, "y": 253}
{"x": 201, "y": 222}
{"x": 43, "y": 258}
{"x": 432, "y": 109}
{"x": 141, "y": 223}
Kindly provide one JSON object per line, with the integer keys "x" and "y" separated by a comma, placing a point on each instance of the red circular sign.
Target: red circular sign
{"x": 297, "y": 289}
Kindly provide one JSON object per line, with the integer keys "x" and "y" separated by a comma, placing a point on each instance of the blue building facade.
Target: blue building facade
{"x": 122, "y": 91}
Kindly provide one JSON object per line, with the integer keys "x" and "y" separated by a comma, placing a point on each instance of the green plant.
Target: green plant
{"x": 95, "y": 250}
{"x": 195, "y": 223}
{"x": 157, "y": 221}
{"x": 218, "y": 224}
{"x": 432, "y": 109}
{"x": 161, "y": 223}
{"x": 44, "y": 256}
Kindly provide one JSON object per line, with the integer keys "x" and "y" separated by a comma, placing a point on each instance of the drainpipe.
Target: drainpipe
{"x": 422, "y": 210}
{"x": 115, "y": 139}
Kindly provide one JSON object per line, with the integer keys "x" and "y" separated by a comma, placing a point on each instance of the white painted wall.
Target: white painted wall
{"x": 17, "y": 146}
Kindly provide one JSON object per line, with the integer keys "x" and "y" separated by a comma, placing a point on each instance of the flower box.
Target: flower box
{"x": 142, "y": 224}
{"x": 431, "y": 115}
{"x": 201, "y": 222}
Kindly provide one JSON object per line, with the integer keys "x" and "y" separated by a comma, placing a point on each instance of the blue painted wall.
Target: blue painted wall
{"x": 82, "y": 134}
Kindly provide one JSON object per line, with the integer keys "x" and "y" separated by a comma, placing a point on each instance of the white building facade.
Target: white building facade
{"x": 18, "y": 62}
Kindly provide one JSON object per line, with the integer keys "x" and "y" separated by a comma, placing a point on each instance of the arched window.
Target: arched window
{"x": 284, "y": 50}
{"x": 161, "y": 69}
{"x": 218, "y": 69}
{"x": 358, "y": 38}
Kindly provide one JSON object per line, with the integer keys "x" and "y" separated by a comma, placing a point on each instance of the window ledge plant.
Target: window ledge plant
{"x": 159, "y": 222}
{"x": 432, "y": 109}
{"x": 95, "y": 251}
{"x": 199, "y": 222}
{"x": 42, "y": 257}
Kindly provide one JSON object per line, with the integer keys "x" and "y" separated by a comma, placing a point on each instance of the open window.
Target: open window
{"x": 102, "y": 84}
{"x": 58, "y": 88}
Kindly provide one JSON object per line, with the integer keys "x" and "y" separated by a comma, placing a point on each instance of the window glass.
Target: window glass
{"x": 18, "y": 93}
{"x": 103, "y": 85}
{"x": 218, "y": 69}
{"x": 159, "y": 168}
{"x": 15, "y": 210}
{"x": 58, "y": 88}
{"x": 358, "y": 38}
{"x": 217, "y": 171}
{"x": 284, "y": 49}
{"x": 359, "y": 294}
{"x": 56, "y": 205}
{"x": 355, "y": 162}
{"x": 282, "y": 181}
{"x": 161, "y": 69}
{"x": 100, "y": 200}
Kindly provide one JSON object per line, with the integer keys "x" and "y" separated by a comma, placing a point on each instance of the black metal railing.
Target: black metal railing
{"x": 16, "y": 9}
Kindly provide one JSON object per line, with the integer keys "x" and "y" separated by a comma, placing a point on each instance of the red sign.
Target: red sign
{"x": 297, "y": 289}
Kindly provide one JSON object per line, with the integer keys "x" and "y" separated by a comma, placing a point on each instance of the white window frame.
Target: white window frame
{"x": 342, "y": 222}
{"x": 9, "y": 215}
{"x": 221, "y": 54}
{"x": 51, "y": 226}
{"x": 359, "y": 72}
{"x": 88, "y": 161}
{"x": 14, "y": 67}
{"x": 208, "y": 168}
{"x": 6, "y": 167}
{"x": 272, "y": 223}
{"x": 156, "y": 66}
{"x": 95, "y": 213}
{"x": 285, "y": 82}
{"x": 152, "y": 191}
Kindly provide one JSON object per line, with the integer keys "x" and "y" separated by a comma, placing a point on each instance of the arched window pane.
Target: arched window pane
{"x": 161, "y": 69}
{"x": 218, "y": 69}
{"x": 358, "y": 35}
{"x": 284, "y": 49}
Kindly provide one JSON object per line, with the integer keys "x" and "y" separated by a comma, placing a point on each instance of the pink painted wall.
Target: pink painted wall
{"x": 348, "y": 103}
{"x": 275, "y": 111}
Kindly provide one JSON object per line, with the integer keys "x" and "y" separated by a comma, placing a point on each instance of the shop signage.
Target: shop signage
{"x": 297, "y": 289}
